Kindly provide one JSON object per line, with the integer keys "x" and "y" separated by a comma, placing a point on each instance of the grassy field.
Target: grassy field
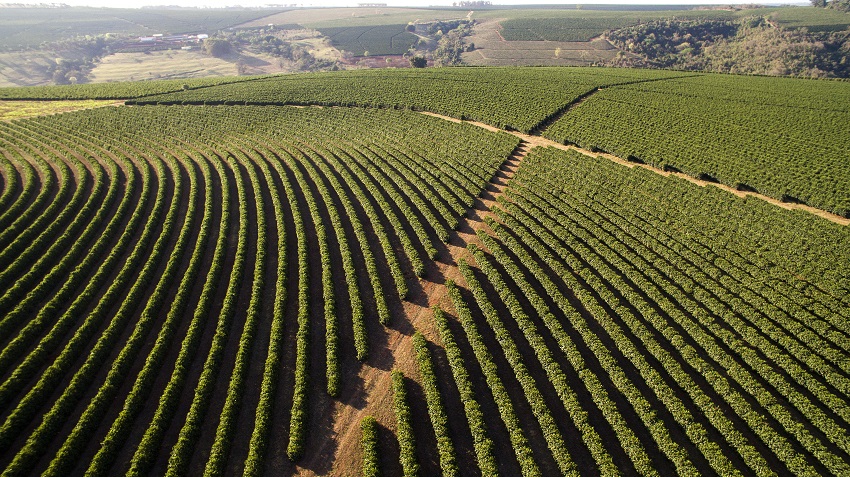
{"x": 160, "y": 65}
{"x": 26, "y": 109}
{"x": 813, "y": 19}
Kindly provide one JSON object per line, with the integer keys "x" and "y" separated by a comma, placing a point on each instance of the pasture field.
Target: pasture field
{"x": 25, "y": 109}
{"x": 159, "y": 64}
{"x": 454, "y": 271}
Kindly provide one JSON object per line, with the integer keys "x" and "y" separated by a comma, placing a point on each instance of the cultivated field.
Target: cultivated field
{"x": 543, "y": 271}
{"x": 492, "y": 49}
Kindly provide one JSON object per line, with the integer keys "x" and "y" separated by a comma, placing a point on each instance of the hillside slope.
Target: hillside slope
{"x": 227, "y": 277}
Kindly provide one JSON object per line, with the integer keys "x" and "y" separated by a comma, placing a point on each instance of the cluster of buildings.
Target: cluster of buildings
{"x": 160, "y": 41}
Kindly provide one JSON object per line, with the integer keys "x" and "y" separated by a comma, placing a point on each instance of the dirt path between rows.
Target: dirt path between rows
{"x": 374, "y": 394}
{"x": 535, "y": 141}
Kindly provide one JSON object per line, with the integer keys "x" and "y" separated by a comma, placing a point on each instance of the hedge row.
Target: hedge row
{"x": 369, "y": 442}
{"x": 404, "y": 427}
{"x": 436, "y": 411}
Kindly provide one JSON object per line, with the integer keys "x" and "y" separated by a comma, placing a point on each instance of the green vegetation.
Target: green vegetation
{"x": 749, "y": 46}
{"x": 504, "y": 97}
{"x": 807, "y": 42}
{"x": 63, "y": 45}
{"x": 749, "y": 133}
{"x": 126, "y": 90}
{"x": 215, "y": 281}
{"x": 250, "y": 174}
{"x": 450, "y": 45}
{"x": 217, "y": 47}
{"x": 366, "y": 16}
{"x": 621, "y": 118}
{"x": 436, "y": 410}
{"x": 273, "y": 41}
{"x": 519, "y": 441}
{"x": 25, "y": 109}
{"x": 548, "y": 426}
{"x": 404, "y": 428}
{"x": 418, "y": 61}
{"x": 369, "y": 442}
{"x": 561, "y": 29}
{"x": 628, "y": 260}
{"x": 584, "y": 24}
{"x": 838, "y": 5}
{"x": 30, "y": 27}
{"x": 812, "y": 19}
{"x": 371, "y": 40}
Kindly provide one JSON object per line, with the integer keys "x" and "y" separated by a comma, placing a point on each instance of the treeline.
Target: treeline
{"x": 842, "y": 5}
{"x": 268, "y": 41}
{"x": 752, "y": 45}
{"x": 451, "y": 45}
{"x": 76, "y": 57}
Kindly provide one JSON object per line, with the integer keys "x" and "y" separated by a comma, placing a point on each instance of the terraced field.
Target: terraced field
{"x": 307, "y": 275}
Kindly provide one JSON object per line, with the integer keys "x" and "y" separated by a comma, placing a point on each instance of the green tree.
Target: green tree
{"x": 217, "y": 47}
{"x": 418, "y": 61}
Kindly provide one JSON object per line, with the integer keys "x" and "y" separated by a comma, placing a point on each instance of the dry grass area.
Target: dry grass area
{"x": 493, "y": 50}
{"x": 27, "y": 109}
{"x": 160, "y": 64}
{"x": 318, "y": 46}
{"x": 183, "y": 64}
